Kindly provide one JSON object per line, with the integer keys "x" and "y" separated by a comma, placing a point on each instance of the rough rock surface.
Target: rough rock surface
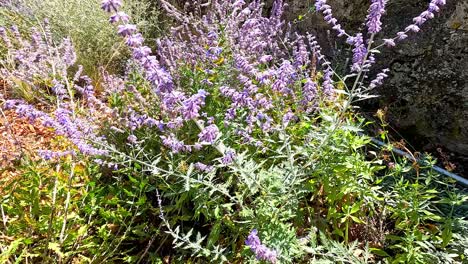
{"x": 427, "y": 92}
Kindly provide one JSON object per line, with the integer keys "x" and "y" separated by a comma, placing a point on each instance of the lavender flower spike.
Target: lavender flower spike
{"x": 119, "y": 16}
{"x": 229, "y": 157}
{"x": 376, "y": 10}
{"x": 126, "y": 30}
{"x": 111, "y": 5}
{"x": 359, "y": 51}
{"x": 135, "y": 40}
{"x": 379, "y": 79}
{"x": 209, "y": 134}
{"x": 389, "y": 42}
{"x": 321, "y": 5}
{"x": 260, "y": 250}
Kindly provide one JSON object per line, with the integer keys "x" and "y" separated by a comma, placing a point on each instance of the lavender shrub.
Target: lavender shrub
{"x": 234, "y": 127}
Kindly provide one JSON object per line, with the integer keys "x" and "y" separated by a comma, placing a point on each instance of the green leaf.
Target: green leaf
{"x": 355, "y": 208}
{"x": 447, "y": 234}
{"x": 357, "y": 220}
{"x": 214, "y": 235}
{"x": 379, "y": 252}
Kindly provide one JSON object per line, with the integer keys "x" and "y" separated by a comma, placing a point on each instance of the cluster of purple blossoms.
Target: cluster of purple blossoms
{"x": 359, "y": 51}
{"x": 379, "y": 79}
{"x": 285, "y": 77}
{"x": 132, "y": 139}
{"x": 288, "y": 117}
{"x": 119, "y": 17}
{"x": 257, "y": 46}
{"x": 301, "y": 54}
{"x": 173, "y": 143}
{"x": 261, "y": 251}
{"x": 327, "y": 85}
{"x": 134, "y": 120}
{"x": 175, "y": 105}
{"x": 209, "y": 134}
{"x": 50, "y": 155}
{"x": 158, "y": 76}
{"x": 229, "y": 157}
{"x": 126, "y": 30}
{"x": 203, "y": 167}
{"x": 111, "y": 5}
{"x": 376, "y": 10}
{"x": 78, "y": 130}
{"x": 309, "y": 94}
{"x": 192, "y": 105}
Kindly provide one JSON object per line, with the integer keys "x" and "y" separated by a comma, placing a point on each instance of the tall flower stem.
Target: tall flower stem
{"x": 351, "y": 96}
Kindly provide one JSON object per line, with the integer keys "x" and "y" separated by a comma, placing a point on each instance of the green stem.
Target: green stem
{"x": 347, "y": 231}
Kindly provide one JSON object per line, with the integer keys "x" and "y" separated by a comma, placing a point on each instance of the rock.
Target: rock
{"x": 459, "y": 18}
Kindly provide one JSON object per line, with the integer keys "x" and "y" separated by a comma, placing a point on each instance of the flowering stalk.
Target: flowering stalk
{"x": 261, "y": 251}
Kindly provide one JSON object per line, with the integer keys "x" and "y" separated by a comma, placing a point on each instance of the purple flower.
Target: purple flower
{"x": 229, "y": 157}
{"x": 192, "y": 105}
{"x": 203, "y": 167}
{"x": 327, "y": 86}
{"x": 173, "y": 143}
{"x": 261, "y": 251}
{"x": 433, "y": 7}
{"x": 427, "y": 14}
{"x": 309, "y": 92}
{"x": 111, "y": 5}
{"x": 212, "y": 37}
{"x": 59, "y": 89}
{"x": 265, "y": 59}
{"x": 132, "y": 139}
{"x": 243, "y": 65}
{"x": 119, "y": 16}
{"x": 419, "y": 20}
{"x": 359, "y": 52}
{"x": 69, "y": 55}
{"x": 5, "y": 37}
{"x": 288, "y": 117}
{"x": 126, "y": 30}
{"x": 439, "y": 2}
{"x": 376, "y": 10}
{"x": 159, "y": 77}
{"x": 213, "y": 52}
{"x": 238, "y": 4}
{"x": 379, "y": 79}
{"x": 389, "y": 42}
{"x": 141, "y": 52}
{"x": 402, "y": 35}
{"x": 413, "y": 28}
{"x": 301, "y": 56}
{"x": 175, "y": 123}
{"x": 49, "y": 154}
{"x": 209, "y": 134}
{"x": 285, "y": 77}
{"x": 134, "y": 40}
{"x": 321, "y": 5}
